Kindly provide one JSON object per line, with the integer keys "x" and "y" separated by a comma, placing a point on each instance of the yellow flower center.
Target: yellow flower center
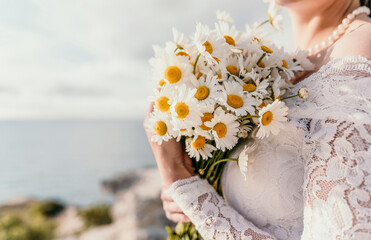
{"x": 261, "y": 64}
{"x": 199, "y": 143}
{"x": 208, "y": 47}
{"x": 229, "y": 40}
{"x": 219, "y": 76}
{"x": 181, "y": 109}
{"x": 161, "y": 82}
{"x": 173, "y": 74}
{"x": 262, "y": 105}
{"x": 249, "y": 87}
{"x": 160, "y": 128}
{"x": 266, "y": 49}
{"x": 162, "y": 104}
{"x": 284, "y": 63}
{"x": 234, "y": 101}
{"x": 232, "y": 70}
{"x": 267, "y": 118}
{"x": 202, "y": 93}
{"x": 207, "y": 117}
{"x": 184, "y": 54}
{"x": 220, "y": 129}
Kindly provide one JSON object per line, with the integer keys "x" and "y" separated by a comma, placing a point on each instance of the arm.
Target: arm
{"x": 337, "y": 190}
{"x": 212, "y": 216}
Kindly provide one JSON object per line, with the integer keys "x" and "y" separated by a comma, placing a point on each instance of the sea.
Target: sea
{"x": 68, "y": 160}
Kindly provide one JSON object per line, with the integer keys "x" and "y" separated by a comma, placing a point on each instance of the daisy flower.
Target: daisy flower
{"x": 232, "y": 66}
{"x": 234, "y": 99}
{"x": 162, "y": 98}
{"x": 301, "y": 57}
{"x": 254, "y": 85}
{"x": 185, "y": 108}
{"x": 180, "y": 40}
{"x": 197, "y": 147}
{"x": 258, "y": 34}
{"x": 160, "y": 126}
{"x": 272, "y": 118}
{"x": 223, "y": 16}
{"x": 209, "y": 44}
{"x": 274, "y": 16}
{"x": 207, "y": 87}
{"x": 243, "y": 158}
{"x": 175, "y": 70}
{"x": 236, "y": 40}
{"x": 286, "y": 64}
{"x": 207, "y": 115}
{"x": 224, "y": 127}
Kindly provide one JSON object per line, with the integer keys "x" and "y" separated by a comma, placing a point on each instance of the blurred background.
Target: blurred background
{"x": 74, "y": 79}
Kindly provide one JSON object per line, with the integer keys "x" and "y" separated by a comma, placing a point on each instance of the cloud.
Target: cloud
{"x": 89, "y": 58}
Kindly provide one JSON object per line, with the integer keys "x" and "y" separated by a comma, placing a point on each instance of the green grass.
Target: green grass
{"x": 96, "y": 215}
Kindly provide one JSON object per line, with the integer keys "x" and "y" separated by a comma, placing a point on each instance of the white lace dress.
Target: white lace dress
{"x": 313, "y": 181}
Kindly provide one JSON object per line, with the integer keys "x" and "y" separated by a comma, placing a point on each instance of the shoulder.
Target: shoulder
{"x": 356, "y": 42}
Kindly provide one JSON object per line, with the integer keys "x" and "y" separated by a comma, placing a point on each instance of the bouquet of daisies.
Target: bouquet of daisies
{"x": 215, "y": 87}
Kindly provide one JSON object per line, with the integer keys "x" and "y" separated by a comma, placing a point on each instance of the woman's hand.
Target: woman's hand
{"x": 174, "y": 164}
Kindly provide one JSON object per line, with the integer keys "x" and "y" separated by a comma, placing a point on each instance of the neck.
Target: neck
{"x": 314, "y": 23}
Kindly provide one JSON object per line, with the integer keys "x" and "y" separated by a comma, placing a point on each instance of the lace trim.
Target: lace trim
{"x": 212, "y": 216}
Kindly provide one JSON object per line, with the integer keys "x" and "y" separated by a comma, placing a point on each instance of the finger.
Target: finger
{"x": 165, "y": 197}
{"x": 171, "y": 207}
{"x": 177, "y": 217}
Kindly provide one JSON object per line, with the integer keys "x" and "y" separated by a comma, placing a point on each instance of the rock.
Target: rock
{"x": 16, "y": 203}
{"x": 69, "y": 222}
{"x": 137, "y": 209}
{"x": 121, "y": 183}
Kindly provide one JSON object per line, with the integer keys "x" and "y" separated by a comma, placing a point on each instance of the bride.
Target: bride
{"x": 314, "y": 180}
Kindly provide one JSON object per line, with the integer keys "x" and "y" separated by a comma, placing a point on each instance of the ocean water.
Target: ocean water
{"x": 67, "y": 160}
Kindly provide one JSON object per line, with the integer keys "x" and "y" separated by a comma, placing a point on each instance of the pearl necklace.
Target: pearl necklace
{"x": 340, "y": 30}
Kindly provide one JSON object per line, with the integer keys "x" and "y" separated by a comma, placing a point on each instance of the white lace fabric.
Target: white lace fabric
{"x": 313, "y": 181}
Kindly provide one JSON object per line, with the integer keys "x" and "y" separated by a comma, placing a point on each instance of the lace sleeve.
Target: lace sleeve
{"x": 212, "y": 216}
{"x": 337, "y": 186}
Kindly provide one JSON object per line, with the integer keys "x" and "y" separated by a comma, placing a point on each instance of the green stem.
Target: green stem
{"x": 194, "y": 66}
{"x": 261, "y": 58}
{"x": 223, "y": 160}
{"x": 202, "y": 171}
{"x": 290, "y": 97}
{"x": 261, "y": 24}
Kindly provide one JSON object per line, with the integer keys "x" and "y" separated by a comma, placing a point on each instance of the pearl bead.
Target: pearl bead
{"x": 340, "y": 29}
{"x": 351, "y": 16}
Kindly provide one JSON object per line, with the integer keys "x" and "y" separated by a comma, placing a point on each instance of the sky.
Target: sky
{"x": 88, "y": 59}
